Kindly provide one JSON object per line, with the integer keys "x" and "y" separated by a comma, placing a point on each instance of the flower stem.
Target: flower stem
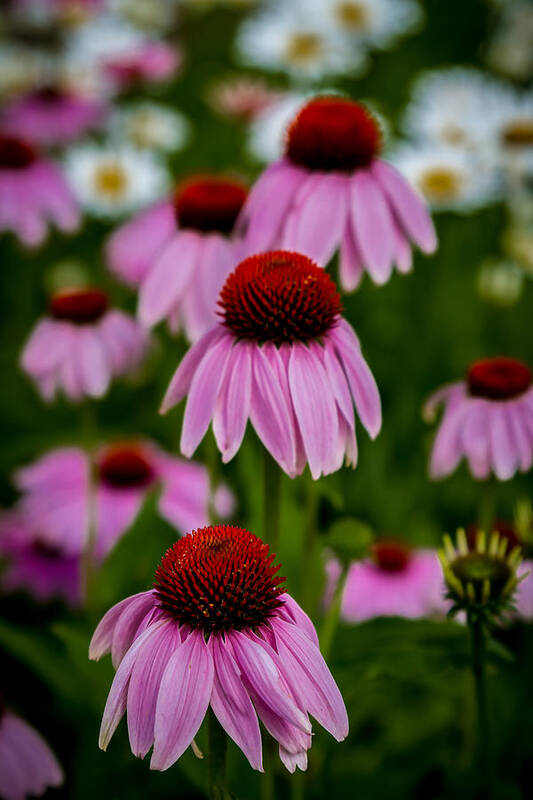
{"x": 271, "y": 501}
{"x": 477, "y": 638}
{"x": 331, "y": 619}
{"x": 217, "y": 759}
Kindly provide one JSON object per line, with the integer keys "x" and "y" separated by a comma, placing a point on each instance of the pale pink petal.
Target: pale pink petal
{"x": 93, "y": 367}
{"x": 372, "y": 225}
{"x": 128, "y": 623}
{"x": 350, "y": 263}
{"x": 233, "y": 405}
{"x": 232, "y": 705}
{"x": 103, "y": 635}
{"x": 409, "y": 208}
{"x": 182, "y": 378}
{"x": 183, "y": 700}
{"x": 503, "y": 453}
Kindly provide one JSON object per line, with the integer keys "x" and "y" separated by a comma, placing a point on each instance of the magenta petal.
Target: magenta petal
{"x": 183, "y": 700}
{"x": 132, "y": 249}
{"x": 232, "y": 705}
{"x": 409, "y": 208}
{"x": 166, "y": 282}
{"x": 182, "y": 378}
{"x": 262, "y": 674}
{"x": 128, "y": 623}
{"x": 203, "y": 394}
{"x": 150, "y": 664}
{"x": 350, "y": 263}
{"x": 372, "y": 225}
{"x": 103, "y": 635}
{"x": 116, "y": 702}
{"x": 270, "y": 409}
{"x": 233, "y": 405}
{"x": 311, "y": 679}
{"x": 315, "y": 410}
{"x": 362, "y": 384}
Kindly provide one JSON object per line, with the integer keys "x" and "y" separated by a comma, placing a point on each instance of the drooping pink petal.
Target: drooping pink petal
{"x": 360, "y": 379}
{"x": 103, "y": 636}
{"x": 166, "y": 282}
{"x": 183, "y": 700}
{"x": 270, "y": 410}
{"x": 503, "y": 453}
{"x": 127, "y": 625}
{"x": 203, "y": 394}
{"x": 232, "y": 705}
{"x": 310, "y": 678}
{"x": 299, "y": 616}
{"x": 315, "y": 409}
{"x": 475, "y": 438}
{"x": 372, "y": 225}
{"x": 93, "y": 367}
{"x": 409, "y": 207}
{"x": 233, "y": 406}
{"x": 292, "y": 760}
{"x": 132, "y": 249}
{"x": 183, "y": 376}
{"x": 446, "y": 452}
{"x": 261, "y": 673}
{"x": 150, "y": 664}
{"x": 115, "y": 706}
{"x": 520, "y": 434}
{"x": 350, "y": 263}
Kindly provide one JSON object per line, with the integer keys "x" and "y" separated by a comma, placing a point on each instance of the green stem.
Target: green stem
{"x": 486, "y": 512}
{"x": 271, "y": 501}
{"x": 217, "y": 759}
{"x": 331, "y": 619}
{"x": 477, "y": 637}
{"x": 308, "y": 584}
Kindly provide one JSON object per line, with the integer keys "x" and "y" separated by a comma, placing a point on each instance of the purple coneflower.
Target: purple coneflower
{"x": 33, "y": 193}
{"x": 180, "y": 252}
{"x": 488, "y": 420}
{"x": 52, "y": 117}
{"x": 42, "y": 569}
{"x": 283, "y": 357}
{"x": 332, "y": 190}
{"x": 216, "y": 630}
{"x": 27, "y": 765}
{"x": 57, "y": 496}
{"x": 395, "y": 582}
{"x": 82, "y": 345}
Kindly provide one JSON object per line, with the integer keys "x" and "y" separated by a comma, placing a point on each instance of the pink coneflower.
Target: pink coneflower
{"x": 283, "y": 356}
{"x": 32, "y": 193}
{"x": 151, "y": 61}
{"x": 180, "y": 252}
{"x": 52, "y": 117}
{"x": 395, "y": 582}
{"x": 217, "y": 630}
{"x": 82, "y": 345}
{"x": 488, "y": 420}
{"x": 27, "y": 765}
{"x": 332, "y": 190}
{"x": 57, "y": 495}
{"x": 242, "y": 98}
{"x": 35, "y": 565}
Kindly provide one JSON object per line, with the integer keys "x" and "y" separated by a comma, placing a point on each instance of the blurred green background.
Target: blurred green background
{"x": 406, "y": 684}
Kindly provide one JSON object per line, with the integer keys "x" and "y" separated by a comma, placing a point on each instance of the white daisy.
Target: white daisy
{"x": 266, "y": 133}
{"x": 509, "y": 123}
{"x": 450, "y": 179}
{"x": 110, "y": 181}
{"x": 378, "y": 23}
{"x": 149, "y": 125}
{"x": 287, "y": 38}
{"x": 102, "y": 38}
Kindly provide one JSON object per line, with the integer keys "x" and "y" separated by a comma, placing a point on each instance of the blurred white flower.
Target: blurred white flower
{"x": 500, "y": 282}
{"x": 448, "y": 107}
{"x": 110, "y": 181}
{"x": 289, "y": 37}
{"x": 448, "y": 178}
{"x": 266, "y": 134}
{"x": 509, "y": 122}
{"x": 157, "y": 15}
{"x": 510, "y": 50}
{"x": 150, "y": 125}
{"x": 378, "y": 23}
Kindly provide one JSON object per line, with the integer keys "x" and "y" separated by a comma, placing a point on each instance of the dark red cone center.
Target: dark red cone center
{"x": 209, "y": 204}
{"x": 126, "y": 467}
{"x": 279, "y": 297}
{"x": 16, "y": 153}
{"x": 333, "y": 133}
{"x": 390, "y": 555}
{"x": 80, "y": 306}
{"x": 219, "y": 578}
{"x": 499, "y": 378}
{"x": 49, "y": 94}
